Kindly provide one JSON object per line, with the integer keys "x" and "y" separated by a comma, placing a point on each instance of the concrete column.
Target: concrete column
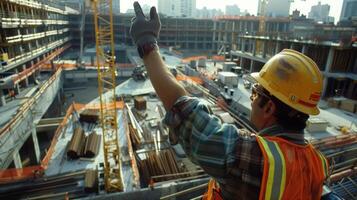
{"x": 304, "y": 49}
{"x": 33, "y": 76}
{"x": 254, "y": 47}
{"x": 243, "y": 44}
{"x": 17, "y": 87}
{"x": 37, "y": 44}
{"x": 265, "y": 49}
{"x": 214, "y": 32}
{"x": 251, "y": 66}
{"x": 35, "y": 143}
{"x": 327, "y": 69}
{"x": 329, "y": 59}
{"x": 26, "y": 81}
{"x": 17, "y": 160}
{"x": 277, "y": 47}
{"x": 29, "y": 47}
{"x": 2, "y": 98}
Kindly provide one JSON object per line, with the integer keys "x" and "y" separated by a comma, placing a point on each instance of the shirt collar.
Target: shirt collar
{"x": 279, "y": 131}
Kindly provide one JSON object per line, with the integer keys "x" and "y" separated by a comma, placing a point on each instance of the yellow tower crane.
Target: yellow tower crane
{"x": 262, "y": 21}
{"x": 104, "y": 38}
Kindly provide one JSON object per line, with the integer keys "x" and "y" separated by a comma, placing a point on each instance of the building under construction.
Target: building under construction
{"x": 79, "y": 118}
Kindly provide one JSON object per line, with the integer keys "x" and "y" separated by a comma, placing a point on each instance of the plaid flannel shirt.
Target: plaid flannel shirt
{"x": 232, "y": 156}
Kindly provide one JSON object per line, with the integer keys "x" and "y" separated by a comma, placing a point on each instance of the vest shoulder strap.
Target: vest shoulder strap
{"x": 274, "y": 175}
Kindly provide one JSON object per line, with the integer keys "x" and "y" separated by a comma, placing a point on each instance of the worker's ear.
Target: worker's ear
{"x": 269, "y": 109}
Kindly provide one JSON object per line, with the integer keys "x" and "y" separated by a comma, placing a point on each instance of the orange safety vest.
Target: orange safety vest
{"x": 290, "y": 171}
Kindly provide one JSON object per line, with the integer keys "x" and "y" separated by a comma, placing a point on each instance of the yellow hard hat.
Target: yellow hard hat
{"x": 294, "y": 79}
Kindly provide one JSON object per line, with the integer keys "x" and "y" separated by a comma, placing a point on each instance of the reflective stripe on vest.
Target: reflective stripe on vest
{"x": 279, "y": 166}
{"x": 277, "y": 171}
{"x": 324, "y": 164}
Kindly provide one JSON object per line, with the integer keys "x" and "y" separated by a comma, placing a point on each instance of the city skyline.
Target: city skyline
{"x": 303, "y": 6}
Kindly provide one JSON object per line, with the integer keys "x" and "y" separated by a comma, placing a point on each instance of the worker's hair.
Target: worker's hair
{"x": 287, "y": 117}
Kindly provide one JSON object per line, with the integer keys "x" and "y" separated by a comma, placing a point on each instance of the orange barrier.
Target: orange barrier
{"x": 27, "y": 72}
{"x": 188, "y": 59}
{"x": 25, "y": 107}
{"x": 218, "y": 58}
{"x": 30, "y": 172}
{"x": 47, "y": 158}
{"x": 14, "y": 174}
{"x": 96, "y": 106}
{"x": 74, "y": 66}
{"x": 63, "y": 65}
{"x": 195, "y": 79}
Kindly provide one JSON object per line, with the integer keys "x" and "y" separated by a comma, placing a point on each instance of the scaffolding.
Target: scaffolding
{"x": 103, "y": 21}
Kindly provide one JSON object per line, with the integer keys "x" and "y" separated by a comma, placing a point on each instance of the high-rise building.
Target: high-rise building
{"x": 274, "y": 8}
{"x": 188, "y": 8}
{"x": 169, "y": 7}
{"x": 232, "y": 10}
{"x": 205, "y": 13}
{"x": 116, "y": 6}
{"x": 177, "y": 8}
{"x": 320, "y": 12}
{"x": 349, "y": 10}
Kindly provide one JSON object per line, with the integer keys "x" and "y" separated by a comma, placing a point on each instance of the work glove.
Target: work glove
{"x": 143, "y": 30}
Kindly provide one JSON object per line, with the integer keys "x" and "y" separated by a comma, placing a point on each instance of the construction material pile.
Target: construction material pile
{"x": 149, "y": 137}
{"x": 82, "y": 145}
{"x": 341, "y": 153}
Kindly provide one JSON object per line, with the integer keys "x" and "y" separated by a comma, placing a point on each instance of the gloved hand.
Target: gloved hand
{"x": 143, "y": 30}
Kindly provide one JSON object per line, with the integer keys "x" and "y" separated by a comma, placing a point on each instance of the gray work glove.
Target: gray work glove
{"x": 144, "y": 30}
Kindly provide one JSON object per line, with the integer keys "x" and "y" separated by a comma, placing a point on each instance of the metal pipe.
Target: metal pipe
{"x": 341, "y": 152}
{"x": 177, "y": 174}
{"x": 343, "y": 163}
{"x": 184, "y": 191}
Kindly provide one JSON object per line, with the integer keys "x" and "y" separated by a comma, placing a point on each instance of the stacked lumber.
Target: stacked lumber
{"x": 136, "y": 132}
{"x": 157, "y": 163}
{"x": 76, "y": 144}
{"x": 92, "y": 145}
{"x": 335, "y": 141}
{"x": 340, "y": 151}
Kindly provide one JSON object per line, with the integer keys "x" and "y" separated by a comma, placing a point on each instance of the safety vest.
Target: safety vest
{"x": 290, "y": 171}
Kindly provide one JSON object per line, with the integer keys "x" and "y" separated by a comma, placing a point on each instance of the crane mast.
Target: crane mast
{"x": 104, "y": 38}
{"x": 262, "y": 22}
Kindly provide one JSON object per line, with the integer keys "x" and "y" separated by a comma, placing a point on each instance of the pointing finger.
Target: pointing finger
{"x": 138, "y": 11}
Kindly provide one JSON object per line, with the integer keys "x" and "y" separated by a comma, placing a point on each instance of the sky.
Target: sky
{"x": 252, "y": 5}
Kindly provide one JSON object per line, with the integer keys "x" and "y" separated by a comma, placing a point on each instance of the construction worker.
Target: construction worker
{"x": 275, "y": 163}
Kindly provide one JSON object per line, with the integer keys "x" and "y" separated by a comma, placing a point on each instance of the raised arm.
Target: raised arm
{"x": 144, "y": 33}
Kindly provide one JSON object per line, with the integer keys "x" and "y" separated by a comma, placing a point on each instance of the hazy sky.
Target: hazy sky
{"x": 252, "y": 6}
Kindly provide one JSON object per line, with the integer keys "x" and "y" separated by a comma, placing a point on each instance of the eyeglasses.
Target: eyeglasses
{"x": 258, "y": 90}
